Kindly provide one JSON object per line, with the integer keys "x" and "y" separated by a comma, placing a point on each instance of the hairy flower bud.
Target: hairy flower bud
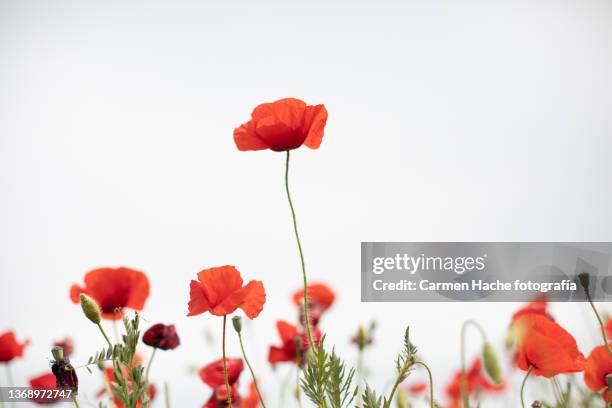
{"x": 237, "y": 323}
{"x": 491, "y": 363}
{"x": 584, "y": 279}
{"x": 90, "y": 308}
{"x": 57, "y": 352}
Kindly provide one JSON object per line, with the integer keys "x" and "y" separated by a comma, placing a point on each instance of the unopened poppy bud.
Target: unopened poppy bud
{"x": 90, "y": 308}
{"x": 58, "y": 353}
{"x": 237, "y": 322}
{"x": 536, "y": 404}
{"x": 609, "y": 380}
{"x": 491, "y": 363}
{"x": 584, "y": 279}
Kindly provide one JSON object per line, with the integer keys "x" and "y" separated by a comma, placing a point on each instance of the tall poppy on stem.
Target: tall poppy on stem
{"x": 280, "y": 126}
{"x": 220, "y": 292}
{"x": 598, "y": 372}
{"x": 217, "y": 375}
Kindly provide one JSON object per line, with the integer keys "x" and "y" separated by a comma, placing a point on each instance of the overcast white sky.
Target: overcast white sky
{"x": 471, "y": 120}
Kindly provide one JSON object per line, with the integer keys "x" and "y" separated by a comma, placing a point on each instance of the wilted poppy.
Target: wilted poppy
{"x": 10, "y": 348}
{"x": 476, "y": 382}
{"x": 282, "y": 125}
{"x": 43, "y": 382}
{"x": 161, "y": 336}
{"x": 114, "y": 289}
{"x": 65, "y": 374}
{"x": 212, "y": 375}
{"x": 67, "y": 346}
{"x": 220, "y": 292}
{"x": 294, "y": 344}
{"x": 597, "y": 367}
{"x": 546, "y": 347}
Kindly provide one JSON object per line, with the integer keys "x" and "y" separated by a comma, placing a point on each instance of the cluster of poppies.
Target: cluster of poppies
{"x": 541, "y": 347}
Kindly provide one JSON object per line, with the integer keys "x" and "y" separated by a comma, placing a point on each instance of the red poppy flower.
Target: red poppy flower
{"x": 282, "y": 125}
{"x": 547, "y": 347}
{"x": 537, "y": 306}
{"x": 220, "y": 292}
{"x": 252, "y": 398}
{"x": 608, "y": 328}
{"x": 212, "y": 375}
{"x": 477, "y": 382}
{"x": 318, "y": 293}
{"x": 599, "y": 365}
{"x": 161, "y": 336}
{"x": 295, "y": 344}
{"x": 10, "y": 348}
{"x": 114, "y": 289}
{"x": 417, "y": 388}
{"x": 43, "y": 382}
{"x": 67, "y": 346}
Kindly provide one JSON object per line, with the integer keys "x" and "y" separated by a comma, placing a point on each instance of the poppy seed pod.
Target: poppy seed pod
{"x": 237, "y": 323}
{"x": 584, "y": 279}
{"x": 90, "y": 308}
{"x": 491, "y": 363}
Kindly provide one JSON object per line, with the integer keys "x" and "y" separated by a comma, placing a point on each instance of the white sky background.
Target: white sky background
{"x": 472, "y": 120}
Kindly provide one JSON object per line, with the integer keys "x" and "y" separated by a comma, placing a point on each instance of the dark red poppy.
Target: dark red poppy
{"x": 220, "y": 292}
{"x": 114, "y": 289}
{"x": 294, "y": 345}
{"x": 212, "y": 375}
{"x": 282, "y": 125}
{"x": 10, "y": 348}
{"x": 43, "y": 382}
{"x": 547, "y": 347}
{"x": 476, "y": 382}
{"x": 161, "y": 336}
{"x": 67, "y": 346}
{"x": 65, "y": 375}
{"x": 597, "y": 367}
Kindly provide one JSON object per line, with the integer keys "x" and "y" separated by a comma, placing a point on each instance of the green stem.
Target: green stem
{"x": 465, "y": 396}
{"x": 9, "y": 379}
{"x": 299, "y": 245}
{"x": 227, "y": 386}
{"x": 602, "y": 327}
{"x": 76, "y": 404}
{"x": 431, "y": 392}
{"x": 523, "y": 386}
{"x": 149, "y": 365}
{"x": 400, "y": 377}
{"x": 251, "y": 370}
{"x": 298, "y": 394}
{"x": 105, "y": 335}
{"x": 167, "y": 394}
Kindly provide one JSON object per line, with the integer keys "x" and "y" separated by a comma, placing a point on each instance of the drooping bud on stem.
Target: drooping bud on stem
{"x": 584, "y": 279}
{"x": 91, "y": 309}
{"x": 237, "y": 323}
{"x": 491, "y": 363}
{"x": 58, "y": 353}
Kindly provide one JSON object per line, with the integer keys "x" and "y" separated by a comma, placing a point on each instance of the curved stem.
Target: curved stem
{"x": 246, "y": 360}
{"x": 227, "y": 386}
{"x": 465, "y": 396}
{"x": 523, "y": 386}
{"x": 149, "y": 365}
{"x": 299, "y": 245}
{"x": 432, "y": 404}
{"x": 602, "y": 327}
{"x": 105, "y": 335}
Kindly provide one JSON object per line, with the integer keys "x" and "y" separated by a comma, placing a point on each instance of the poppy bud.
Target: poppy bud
{"x": 491, "y": 363}
{"x": 584, "y": 279}
{"x": 64, "y": 372}
{"x": 90, "y": 308}
{"x": 161, "y": 336}
{"x": 237, "y": 323}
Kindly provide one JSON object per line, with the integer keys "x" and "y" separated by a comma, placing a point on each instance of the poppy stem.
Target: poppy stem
{"x": 105, "y": 335}
{"x": 432, "y": 404}
{"x": 464, "y": 383}
{"x": 167, "y": 394}
{"x": 299, "y": 245}
{"x": 298, "y": 395}
{"x": 227, "y": 386}
{"x": 523, "y": 386}
{"x": 76, "y": 403}
{"x": 149, "y": 365}
{"x": 248, "y": 363}
{"x": 602, "y": 327}
{"x": 9, "y": 379}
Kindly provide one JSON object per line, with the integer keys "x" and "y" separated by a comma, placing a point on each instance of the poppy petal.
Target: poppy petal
{"x": 246, "y": 139}
{"x": 255, "y": 297}
{"x": 278, "y": 355}
{"x": 219, "y": 283}
{"x": 286, "y": 331}
{"x": 315, "y": 118}
{"x": 198, "y": 303}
